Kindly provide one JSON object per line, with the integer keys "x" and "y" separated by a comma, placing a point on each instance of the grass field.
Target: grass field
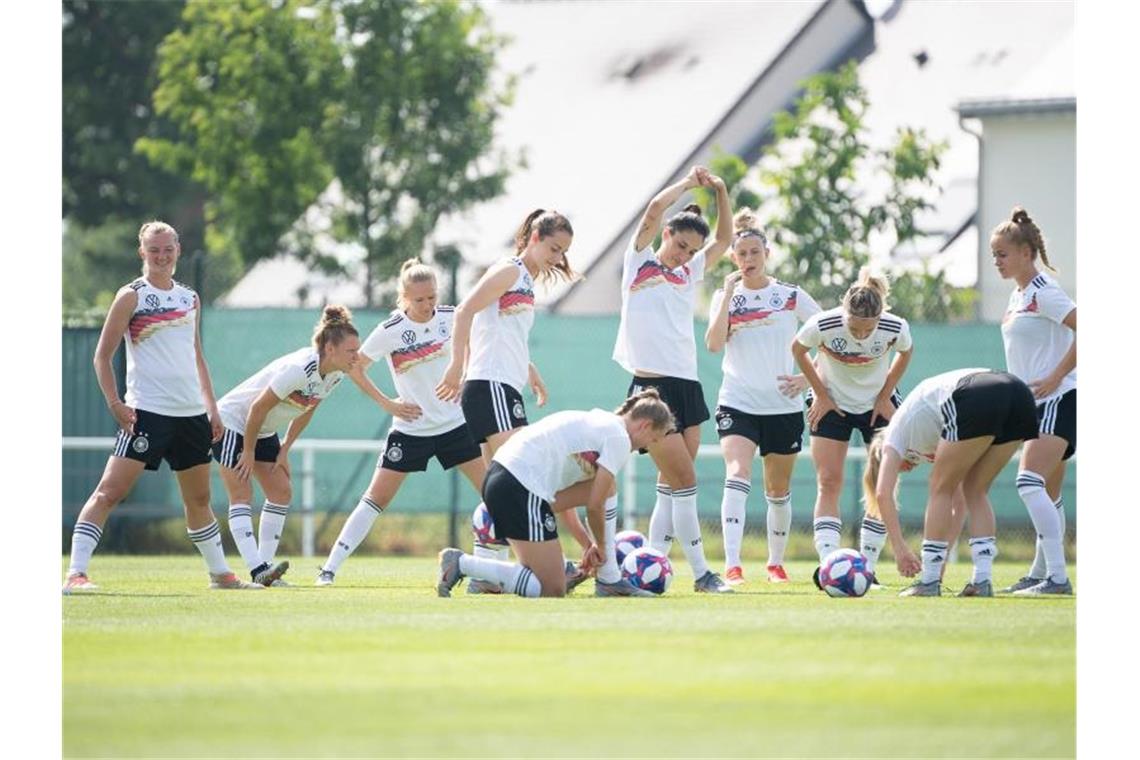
{"x": 156, "y": 665}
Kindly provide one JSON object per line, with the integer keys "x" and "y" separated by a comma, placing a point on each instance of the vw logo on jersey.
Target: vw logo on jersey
{"x": 738, "y": 302}
{"x": 725, "y": 422}
{"x": 518, "y": 411}
{"x": 395, "y": 453}
{"x": 408, "y": 336}
{"x": 548, "y": 523}
{"x": 838, "y": 344}
{"x": 152, "y": 300}
{"x": 776, "y": 301}
{"x": 140, "y": 444}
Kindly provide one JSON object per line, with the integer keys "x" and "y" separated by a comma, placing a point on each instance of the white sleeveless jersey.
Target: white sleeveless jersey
{"x": 761, "y": 326}
{"x": 656, "y": 329}
{"x": 854, "y": 370}
{"x": 498, "y": 346}
{"x": 1035, "y": 338}
{"x": 417, "y": 354}
{"x": 916, "y": 427}
{"x": 162, "y": 364}
{"x": 564, "y": 448}
{"x": 294, "y": 378}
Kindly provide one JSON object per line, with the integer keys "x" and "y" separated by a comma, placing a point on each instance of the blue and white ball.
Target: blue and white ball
{"x": 627, "y": 541}
{"x": 844, "y": 572}
{"x": 649, "y": 569}
{"x": 484, "y": 527}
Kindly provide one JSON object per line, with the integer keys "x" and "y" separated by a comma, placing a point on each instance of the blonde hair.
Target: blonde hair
{"x": 334, "y": 326}
{"x": 746, "y": 224}
{"x": 412, "y": 270}
{"x": 155, "y": 227}
{"x": 868, "y": 296}
{"x": 1019, "y": 229}
{"x": 647, "y": 405}
{"x": 871, "y": 474}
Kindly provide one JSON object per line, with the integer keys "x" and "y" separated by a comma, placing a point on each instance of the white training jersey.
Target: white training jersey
{"x": 564, "y": 448}
{"x": 294, "y": 378}
{"x": 761, "y": 326}
{"x": 656, "y": 329}
{"x": 916, "y": 427}
{"x": 1035, "y": 338}
{"x": 498, "y": 347}
{"x": 854, "y": 370}
{"x": 162, "y": 363}
{"x": 417, "y": 354}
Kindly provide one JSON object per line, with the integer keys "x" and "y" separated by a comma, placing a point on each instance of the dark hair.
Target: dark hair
{"x": 546, "y": 223}
{"x": 648, "y": 405}
{"x": 689, "y": 219}
{"x": 335, "y": 326}
{"x": 1019, "y": 229}
{"x": 868, "y": 296}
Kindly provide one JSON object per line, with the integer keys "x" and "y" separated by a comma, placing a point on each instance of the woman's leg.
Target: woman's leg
{"x": 738, "y": 452}
{"x": 202, "y": 527}
{"x": 829, "y": 457}
{"x": 385, "y": 483}
{"x": 1039, "y": 460}
{"x": 240, "y": 516}
{"x": 778, "y": 492}
{"x": 983, "y": 526}
{"x": 673, "y": 456}
{"x": 119, "y": 477}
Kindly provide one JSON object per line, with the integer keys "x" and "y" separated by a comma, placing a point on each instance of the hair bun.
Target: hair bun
{"x": 412, "y": 262}
{"x": 336, "y": 315}
{"x": 692, "y": 208}
{"x": 1020, "y": 216}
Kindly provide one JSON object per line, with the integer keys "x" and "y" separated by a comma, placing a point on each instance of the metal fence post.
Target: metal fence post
{"x": 308, "y": 494}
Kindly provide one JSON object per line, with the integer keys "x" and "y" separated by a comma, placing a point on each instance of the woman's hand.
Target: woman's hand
{"x": 282, "y": 462}
{"x": 244, "y": 467}
{"x": 909, "y": 565}
{"x": 1044, "y": 387}
{"x": 731, "y": 281}
{"x": 449, "y": 387}
{"x": 536, "y": 385}
{"x": 216, "y": 428}
{"x": 820, "y": 406}
{"x": 403, "y": 410}
{"x": 884, "y": 408}
{"x": 792, "y": 385}
{"x": 591, "y": 560}
{"x": 125, "y": 416}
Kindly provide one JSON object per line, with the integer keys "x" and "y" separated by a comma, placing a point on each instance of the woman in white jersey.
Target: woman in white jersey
{"x": 754, "y": 318}
{"x": 284, "y": 393}
{"x": 1039, "y": 331}
{"x": 415, "y": 341}
{"x": 169, "y": 411}
{"x": 522, "y": 489}
{"x": 655, "y": 344}
{"x": 857, "y": 392}
{"x": 967, "y": 423}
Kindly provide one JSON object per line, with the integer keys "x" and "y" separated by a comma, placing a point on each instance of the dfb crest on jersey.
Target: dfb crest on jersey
{"x": 395, "y": 453}
{"x": 838, "y": 344}
{"x": 152, "y": 300}
{"x": 527, "y": 281}
{"x": 776, "y": 301}
{"x": 548, "y": 522}
{"x": 877, "y": 348}
{"x": 443, "y": 330}
{"x": 738, "y": 302}
{"x": 518, "y": 411}
{"x": 725, "y": 422}
{"x": 140, "y": 444}
{"x": 408, "y": 336}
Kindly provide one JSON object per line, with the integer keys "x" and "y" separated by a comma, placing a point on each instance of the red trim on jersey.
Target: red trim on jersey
{"x": 515, "y": 301}
{"x": 301, "y": 401}
{"x": 405, "y": 358}
{"x": 653, "y": 273}
{"x": 145, "y": 324}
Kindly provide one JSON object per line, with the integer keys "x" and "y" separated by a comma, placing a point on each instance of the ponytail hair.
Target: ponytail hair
{"x": 871, "y": 474}
{"x": 411, "y": 271}
{"x": 1019, "y": 229}
{"x": 689, "y": 219}
{"x": 647, "y": 405}
{"x": 335, "y": 325}
{"x": 546, "y": 223}
{"x": 868, "y": 296}
{"x": 745, "y": 224}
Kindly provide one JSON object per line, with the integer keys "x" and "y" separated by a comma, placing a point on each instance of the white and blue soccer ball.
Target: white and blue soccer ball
{"x": 484, "y": 527}
{"x": 648, "y": 569}
{"x": 844, "y": 572}
{"x": 626, "y": 541}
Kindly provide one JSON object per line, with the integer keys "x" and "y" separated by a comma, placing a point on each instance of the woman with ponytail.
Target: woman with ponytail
{"x": 1039, "y": 331}
{"x": 655, "y": 344}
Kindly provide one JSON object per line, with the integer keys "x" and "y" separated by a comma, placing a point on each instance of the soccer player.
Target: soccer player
{"x": 655, "y": 344}
{"x": 523, "y": 484}
{"x": 967, "y": 423}
{"x": 1039, "y": 331}
{"x": 416, "y": 343}
{"x": 857, "y": 392}
{"x": 285, "y": 392}
{"x": 169, "y": 411}
{"x": 754, "y": 318}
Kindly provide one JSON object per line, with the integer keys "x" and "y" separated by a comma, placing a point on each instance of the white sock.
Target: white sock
{"x": 241, "y": 529}
{"x": 209, "y": 542}
{"x": 512, "y": 578}
{"x": 732, "y": 515}
{"x": 270, "y": 528}
{"x": 1038, "y": 568}
{"x": 933, "y": 560}
{"x": 1043, "y": 513}
{"x": 355, "y": 530}
{"x": 688, "y": 528}
{"x": 983, "y": 550}
{"x": 826, "y": 531}
{"x": 872, "y": 536}
{"x": 84, "y": 538}
{"x": 609, "y": 572}
{"x": 779, "y": 523}
{"x": 661, "y": 521}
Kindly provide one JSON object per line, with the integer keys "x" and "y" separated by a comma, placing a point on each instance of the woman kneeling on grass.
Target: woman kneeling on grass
{"x": 523, "y": 486}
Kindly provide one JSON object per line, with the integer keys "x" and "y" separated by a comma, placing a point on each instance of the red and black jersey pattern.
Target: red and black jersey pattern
{"x": 1025, "y": 308}
{"x": 516, "y": 301}
{"x": 148, "y": 322}
{"x": 742, "y": 316}
{"x": 653, "y": 273}
{"x": 403, "y": 359}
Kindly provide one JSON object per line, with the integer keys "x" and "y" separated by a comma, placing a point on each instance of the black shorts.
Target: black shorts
{"x": 411, "y": 453}
{"x": 229, "y": 448}
{"x": 491, "y": 407}
{"x": 838, "y": 428}
{"x": 184, "y": 442}
{"x": 1058, "y": 416}
{"x": 773, "y": 433}
{"x": 516, "y": 512}
{"x": 990, "y": 403}
{"x": 684, "y": 398}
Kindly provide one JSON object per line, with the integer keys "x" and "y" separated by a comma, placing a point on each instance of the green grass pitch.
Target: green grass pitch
{"x": 157, "y": 665}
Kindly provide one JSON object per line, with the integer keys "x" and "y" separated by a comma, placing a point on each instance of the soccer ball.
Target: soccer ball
{"x": 484, "y": 527}
{"x": 627, "y": 541}
{"x": 649, "y": 569}
{"x": 844, "y": 573}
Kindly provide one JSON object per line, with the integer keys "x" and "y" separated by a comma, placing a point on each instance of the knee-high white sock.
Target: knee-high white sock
{"x": 609, "y": 572}
{"x": 84, "y": 538}
{"x": 826, "y": 530}
{"x": 355, "y": 530}
{"x": 733, "y": 507}
{"x": 1043, "y": 513}
{"x": 512, "y": 578}
{"x": 270, "y": 528}
{"x": 688, "y": 529}
{"x": 933, "y": 559}
{"x": 983, "y": 551}
{"x": 1037, "y": 570}
{"x": 241, "y": 529}
{"x": 779, "y": 523}
{"x": 872, "y": 536}
{"x": 661, "y": 521}
{"x": 209, "y": 543}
